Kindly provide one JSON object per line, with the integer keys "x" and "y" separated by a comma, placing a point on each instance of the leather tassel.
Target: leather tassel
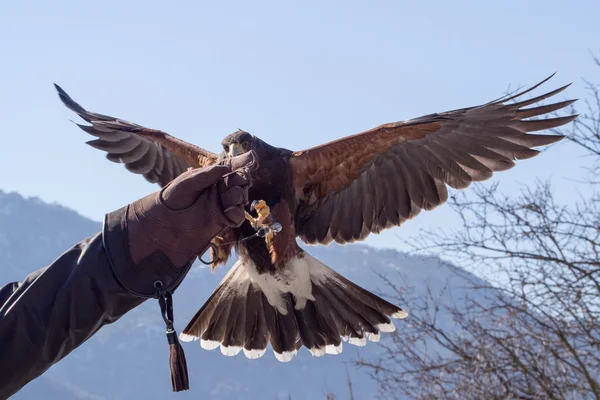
{"x": 177, "y": 361}
{"x": 179, "y": 372}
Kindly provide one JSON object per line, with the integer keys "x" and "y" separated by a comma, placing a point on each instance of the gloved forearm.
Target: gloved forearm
{"x": 56, "y": 309}
{"x": 155, "y": 239}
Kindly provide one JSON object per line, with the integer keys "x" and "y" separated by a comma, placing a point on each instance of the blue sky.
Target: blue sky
{"x": 294, "y": 74}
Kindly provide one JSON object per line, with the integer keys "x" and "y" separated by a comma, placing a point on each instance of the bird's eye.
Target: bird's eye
{"x": 246, "y": 145}
{"x": 225, "y": 147}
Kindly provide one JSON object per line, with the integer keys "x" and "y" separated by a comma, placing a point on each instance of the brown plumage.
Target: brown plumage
{"x": 341, "y": 191}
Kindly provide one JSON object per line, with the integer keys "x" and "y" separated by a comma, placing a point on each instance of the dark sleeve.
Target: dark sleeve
{"x": 57, "y": 308}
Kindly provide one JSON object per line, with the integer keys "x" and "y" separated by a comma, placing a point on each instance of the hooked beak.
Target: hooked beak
{"x": 233, "y": 150}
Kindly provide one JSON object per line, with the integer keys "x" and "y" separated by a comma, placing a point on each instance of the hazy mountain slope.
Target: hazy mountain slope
{"x": 129, "y": 360}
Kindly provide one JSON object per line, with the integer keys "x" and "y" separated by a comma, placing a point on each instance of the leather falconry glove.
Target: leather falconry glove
{"x": 168, "y": 229}
{"x": 180, "y": 220}
{"x": 153, "y": 242}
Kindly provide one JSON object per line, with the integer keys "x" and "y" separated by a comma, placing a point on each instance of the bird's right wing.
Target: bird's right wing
{"x": 365, "y": 183}
{"x": 157, "y": 156}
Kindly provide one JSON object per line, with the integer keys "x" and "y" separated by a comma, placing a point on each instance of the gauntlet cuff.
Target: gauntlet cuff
{"x": 138, "y": 279}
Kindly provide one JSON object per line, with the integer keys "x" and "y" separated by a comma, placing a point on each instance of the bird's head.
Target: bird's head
{"x": 237, "y": 143}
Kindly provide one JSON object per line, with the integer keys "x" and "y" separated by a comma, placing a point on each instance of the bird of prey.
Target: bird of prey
{"x": 341, "y": 191}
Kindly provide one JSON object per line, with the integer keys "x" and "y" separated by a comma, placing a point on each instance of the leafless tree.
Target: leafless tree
{"x": 532, "y": 329}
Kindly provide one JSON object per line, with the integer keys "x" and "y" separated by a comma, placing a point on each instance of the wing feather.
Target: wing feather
{"x": 155, "y": 155}
{"x": 377, "y": 179}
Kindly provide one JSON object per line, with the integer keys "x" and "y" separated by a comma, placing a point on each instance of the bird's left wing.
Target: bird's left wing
{"x": 156, "y": 155}
{"x": 377, "y": 179}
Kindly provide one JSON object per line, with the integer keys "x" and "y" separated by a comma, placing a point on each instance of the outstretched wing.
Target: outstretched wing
{"x": 377, "y": 179}
{"x": 157, "y": 156}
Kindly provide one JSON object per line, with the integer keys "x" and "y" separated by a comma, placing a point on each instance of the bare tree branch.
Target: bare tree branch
{"x": 532, "y": 330}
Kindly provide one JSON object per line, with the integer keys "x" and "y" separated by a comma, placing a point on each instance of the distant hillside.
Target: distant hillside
{"x": 128, "y": 360}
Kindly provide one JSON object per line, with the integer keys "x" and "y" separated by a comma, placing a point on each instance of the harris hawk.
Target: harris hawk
{"x": 341, "y": 191}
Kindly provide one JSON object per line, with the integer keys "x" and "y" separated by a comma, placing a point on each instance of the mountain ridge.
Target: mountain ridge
{"x": 131, "y": 355}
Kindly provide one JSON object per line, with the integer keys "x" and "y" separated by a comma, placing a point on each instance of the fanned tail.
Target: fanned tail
{"x": 308, "y": 305}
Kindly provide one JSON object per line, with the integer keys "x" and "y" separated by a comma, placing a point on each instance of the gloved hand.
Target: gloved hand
{"x": 181, "y": 219}
{"x": 151, "y": 243}
{"x": 158, "y": 237}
